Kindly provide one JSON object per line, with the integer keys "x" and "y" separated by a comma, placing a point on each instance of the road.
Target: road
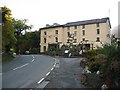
{"x": 66, "y": 74}
{"x": 26, "y": 71}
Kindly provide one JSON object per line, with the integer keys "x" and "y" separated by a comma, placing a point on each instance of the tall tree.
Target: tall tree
{"x": 20, "y": 27}
{"x": 8, "y": 38}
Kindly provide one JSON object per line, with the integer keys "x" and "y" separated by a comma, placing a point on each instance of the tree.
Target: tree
{"x": 29, "y": 42}
{"x": 20, "y": 27}
{"x": 8, "y": 38}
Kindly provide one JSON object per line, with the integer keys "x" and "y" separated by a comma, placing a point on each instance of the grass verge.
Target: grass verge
{"x": 7, "y": 58}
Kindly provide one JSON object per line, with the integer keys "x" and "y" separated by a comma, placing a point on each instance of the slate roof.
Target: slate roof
{"x": 85, "y": 22}
{"x": 103, "y": 20}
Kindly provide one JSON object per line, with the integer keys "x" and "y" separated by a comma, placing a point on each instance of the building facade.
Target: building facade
{"x": 92, "y": 33}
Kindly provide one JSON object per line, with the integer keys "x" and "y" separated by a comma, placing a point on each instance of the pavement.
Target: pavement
{"x": 66, "y": 74}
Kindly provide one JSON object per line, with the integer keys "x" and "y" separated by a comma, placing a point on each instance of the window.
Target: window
{"x": 56, "y": 39}
{"x": 75, "y": 40}
{"x": 83, "y": 26}
{"x": 83, "y": 39}
{"x": 44, "y": 48}
{"x": 68, "y": 33}
{"x": 97, "y": 25}
{"x": 44, "y": 40}
{"x": 83, "y": 32}
{"x": 75, "y": 27}
{"x": 98, "y": 39}
{"x": 75, "y": 33}
{"x": 68, "y": 41}
{"x": 68, "y": 28}
{"x": 56, "y": 31}
{"x": 98, "y": 31}
{"x": 45, "y": 33}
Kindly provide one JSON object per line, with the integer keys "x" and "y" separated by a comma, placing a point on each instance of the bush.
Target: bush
{"x": 91, "y": 52}
{"x": 34, "y": 51}
{"x": 94, "y": 66}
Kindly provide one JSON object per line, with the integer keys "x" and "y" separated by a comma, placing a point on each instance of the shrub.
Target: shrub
{"x": 94, "y": 66}
{"x": 34, "y": 51}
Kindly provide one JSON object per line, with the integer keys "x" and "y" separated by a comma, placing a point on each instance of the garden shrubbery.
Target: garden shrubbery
{"x": 106, "y": 61}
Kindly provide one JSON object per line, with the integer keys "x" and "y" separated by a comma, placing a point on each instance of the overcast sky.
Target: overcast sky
{"x": 42, "y": 12}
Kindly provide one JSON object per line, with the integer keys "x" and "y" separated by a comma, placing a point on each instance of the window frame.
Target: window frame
{"x": 45, "y": 33}
{"x": 44, "y": 48}
{"x": 83, "y": 32}
{"x": 98, "y": 39}
{"x": 56, "y": 39}
{"x": 98, "y": 31}
{"x": 56, "y": 31}
{"x": 45, "y": 40}
{"x": 83, "y": 39}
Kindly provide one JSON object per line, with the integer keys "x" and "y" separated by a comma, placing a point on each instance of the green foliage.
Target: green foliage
{"x": 34, "y": 50}
{"x": 6, "y": 57}
{"x": 20, "y": 26}
{"x": 28, "y": 41}
{"x": 94, "y": 66}
{"x": 64, "y": 47}
{"x": 91, "y": 52}
{"x": 6, "y": 14}
{"x": 8, "y": 30}
{"x": 106, "y": 60}
{"x": 91, "y": 55}
{"x": 112, "y": 52}
{"x": 25, "y": 41}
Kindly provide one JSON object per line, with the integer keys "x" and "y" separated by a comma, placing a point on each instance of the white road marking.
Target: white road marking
{"x": 21, "y": 66}
{"x": 40, "y": 81}
{"x": 47, "y": 73}
{"x": 33, "y": 56}
{"x": 33, "y": 60}
{"x": 54, "y": 65}
{"x": 52, "y": 69}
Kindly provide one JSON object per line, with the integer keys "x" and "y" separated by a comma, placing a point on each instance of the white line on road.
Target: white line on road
{"x": 33, "y": 60}
{"x": 47, "y": 73}
{"x": 40, "y": 81}
{"x": 33, "y": 56}
{"x": 21, "y": 66}
{"x": 54, "y": 65}
{"x": 52, "y": 69}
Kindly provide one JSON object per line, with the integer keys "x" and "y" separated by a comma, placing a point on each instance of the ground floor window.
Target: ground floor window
{"x": 44, "y": 48}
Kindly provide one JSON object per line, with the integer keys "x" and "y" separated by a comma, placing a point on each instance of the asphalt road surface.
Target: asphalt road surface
{"x": 66, "y": 75}
{"x": 26, "y": 71}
